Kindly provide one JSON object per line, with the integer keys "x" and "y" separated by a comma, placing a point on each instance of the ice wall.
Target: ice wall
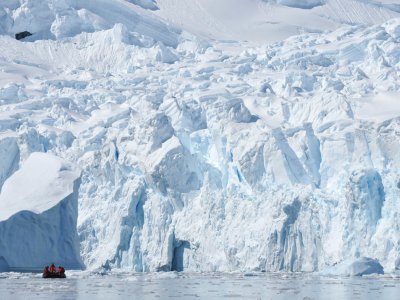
{"x": 294, "y": 172}
{"x": 38, "y": 214}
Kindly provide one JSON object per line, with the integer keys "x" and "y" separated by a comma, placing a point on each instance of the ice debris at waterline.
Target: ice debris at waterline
{"x": 211, "y": 155}
{"x": 365, "y": 266}
{"x": 38, "y": 213}
{"x": 358, "y": 267}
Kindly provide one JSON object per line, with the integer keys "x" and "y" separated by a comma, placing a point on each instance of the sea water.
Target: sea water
{"x": 172, "y": 285}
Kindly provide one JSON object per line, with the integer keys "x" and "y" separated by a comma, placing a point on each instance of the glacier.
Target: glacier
{"x": 209, "y": 155}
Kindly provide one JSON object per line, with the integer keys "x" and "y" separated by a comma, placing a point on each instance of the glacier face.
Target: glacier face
{"x": 216, "y": 156}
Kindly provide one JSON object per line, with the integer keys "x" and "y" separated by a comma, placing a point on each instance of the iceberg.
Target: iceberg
{"x": 358, "y": 267}
{"x": 38, "y": 215}
{"x": 366, "y": 266}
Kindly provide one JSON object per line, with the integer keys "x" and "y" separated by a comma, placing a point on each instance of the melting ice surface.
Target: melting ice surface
{"x": 197, "y": 286}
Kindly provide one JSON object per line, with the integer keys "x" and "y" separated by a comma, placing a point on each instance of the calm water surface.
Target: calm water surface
{"x": 85, "y": 286}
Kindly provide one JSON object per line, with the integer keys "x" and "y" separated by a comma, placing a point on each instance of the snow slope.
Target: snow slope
{"x": 216, "y": 155}
{"x": 38, "y": 213}
{"x": 272, "y": 20}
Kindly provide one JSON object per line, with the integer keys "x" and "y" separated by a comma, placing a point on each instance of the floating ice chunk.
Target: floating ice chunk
{"x": 38, "y": 215}
{"x": 365, "y": 266}
{"x": 359, "y": 267}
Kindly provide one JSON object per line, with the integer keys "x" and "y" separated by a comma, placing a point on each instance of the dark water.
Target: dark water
{"x": 172, "y": 285}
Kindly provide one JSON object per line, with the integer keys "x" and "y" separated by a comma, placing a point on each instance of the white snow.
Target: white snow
{"x": 380, "y": 107}
{"x": 199, "y": 150}
{"x": 46, "y": 180}
{"x": 271, "y": 20}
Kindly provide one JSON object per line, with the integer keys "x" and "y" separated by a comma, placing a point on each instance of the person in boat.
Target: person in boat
{"x": 46, "y": 270}
{"x": 61, "y": 270}
{"x": 52, "y": 268}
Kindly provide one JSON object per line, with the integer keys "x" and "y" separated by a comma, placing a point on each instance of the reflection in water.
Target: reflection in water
{"x": 85, "y": 286}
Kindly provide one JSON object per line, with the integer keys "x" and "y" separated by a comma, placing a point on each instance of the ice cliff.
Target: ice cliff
{"x": 207, "y": 155}
{"x": 38, "y": 215}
